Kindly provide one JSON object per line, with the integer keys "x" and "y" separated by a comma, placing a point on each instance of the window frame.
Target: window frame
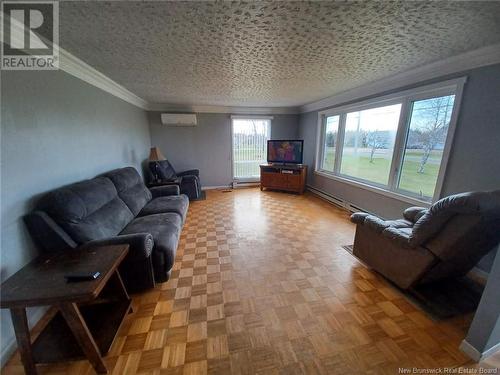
{"x": 406, "y": 99}
{"x": 269, "y": 135}
{"x": 322, "y": 151}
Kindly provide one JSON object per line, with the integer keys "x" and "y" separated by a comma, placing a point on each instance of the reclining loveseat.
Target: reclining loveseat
{"x": 115, "y": 208}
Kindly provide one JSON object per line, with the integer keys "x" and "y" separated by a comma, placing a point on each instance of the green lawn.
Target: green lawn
{"x": 435, "y": 155}
{"x": 359, "y": 166}
{"x": 378, "y": 170}
{"x": 413, "y": 181}
{"x": 249, "y": 153}
{"x": 247, "y": 160}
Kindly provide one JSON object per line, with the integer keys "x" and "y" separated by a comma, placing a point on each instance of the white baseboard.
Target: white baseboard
{"x": 475, "y": 354}
{"x": 9, "y": 343}
{"x": 239, "y": 185}
{"x": 491, "y": 351}
{"x": 216, "y": 187}
{"x": 470, "y": 351}
{"x": 231, "y": 186}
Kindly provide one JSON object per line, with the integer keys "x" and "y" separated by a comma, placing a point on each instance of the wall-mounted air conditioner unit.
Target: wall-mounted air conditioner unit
{"x": 178, "y": 119}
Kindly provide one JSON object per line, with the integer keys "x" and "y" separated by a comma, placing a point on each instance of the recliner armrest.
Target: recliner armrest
{"x": 414, "y": 213}
{"x": 140, "y": 244}
{"x": 376, "y": 223}
{"x": 166, "y": 190}
{"x": 359, "y": 217}
{"x": 189, "y": 178}
{"x": 47, "y": 234}
{"x": 401, "y": 236}
{"x": 190, "y": 172}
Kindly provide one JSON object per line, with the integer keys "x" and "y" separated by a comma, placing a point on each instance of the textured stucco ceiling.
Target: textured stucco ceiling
{"x": 267, "y": 53}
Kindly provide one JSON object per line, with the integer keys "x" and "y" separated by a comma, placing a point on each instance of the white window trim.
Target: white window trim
{"x": 249, "y": 117}
{"x": 453, "y": 86}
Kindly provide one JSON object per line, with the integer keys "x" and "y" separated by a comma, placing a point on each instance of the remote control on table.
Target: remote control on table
{"x": 82, "y": 276}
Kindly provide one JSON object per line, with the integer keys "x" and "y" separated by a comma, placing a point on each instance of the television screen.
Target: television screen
{"x": 285, "y": 151}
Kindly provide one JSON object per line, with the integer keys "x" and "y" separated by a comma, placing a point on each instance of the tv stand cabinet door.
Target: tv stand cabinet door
{"x": 294, "y": 181}
{"x": 278, "y": 180}
{"x": 266, "y": 179}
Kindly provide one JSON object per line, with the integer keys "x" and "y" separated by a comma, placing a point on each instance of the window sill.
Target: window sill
{"x": 387, "y": 193}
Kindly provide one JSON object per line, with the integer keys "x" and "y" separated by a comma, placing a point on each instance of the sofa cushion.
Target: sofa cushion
{"x": 131, "y": 188}
{"x": 165, "y": 229}
{"x": 87, "y": 210}
{"x": 174, "y": 203}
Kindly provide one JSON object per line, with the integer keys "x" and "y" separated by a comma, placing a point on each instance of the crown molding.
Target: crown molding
{"x": 81, "y": 70}
{"x": 237, "y": 110}
{"x": 469, "y": 60}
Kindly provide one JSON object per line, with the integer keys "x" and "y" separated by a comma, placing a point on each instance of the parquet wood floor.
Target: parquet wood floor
{"x": 261, "y": 285}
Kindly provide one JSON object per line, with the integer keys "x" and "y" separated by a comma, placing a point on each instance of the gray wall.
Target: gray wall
{"x": 474, "y": 162}
{"x": 56, "y": 130}
{"x": 207, "y": 146}
{"x": 484, "y": 332}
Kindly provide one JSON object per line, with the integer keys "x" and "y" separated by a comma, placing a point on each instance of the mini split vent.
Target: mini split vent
{"x": 178, "y": 119}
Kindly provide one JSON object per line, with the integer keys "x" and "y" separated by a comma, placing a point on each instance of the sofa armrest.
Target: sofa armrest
{"x": 414, "y": 213}
{"x": 163, "y": 191}
{"x": 140, "y": 244}
{"x": 190, "y": 172}
{"x": 47, "y": 234}
{"x": 359, "y": 217}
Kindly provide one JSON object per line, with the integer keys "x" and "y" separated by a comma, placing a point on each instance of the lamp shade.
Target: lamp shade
{"x": 155, "y": 154}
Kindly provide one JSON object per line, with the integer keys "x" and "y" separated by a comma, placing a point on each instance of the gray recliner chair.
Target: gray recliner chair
{"x": 188, "y": 181}
{"x": 444, "y": 241}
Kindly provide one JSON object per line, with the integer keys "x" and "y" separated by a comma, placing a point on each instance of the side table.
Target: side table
{"x": 89, "y": 313}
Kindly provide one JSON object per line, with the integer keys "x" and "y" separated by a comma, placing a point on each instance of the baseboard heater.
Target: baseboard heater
{"x": 336, "y": 201}
{"x": 244, "y": 184}
{"x": 217, "y": 187}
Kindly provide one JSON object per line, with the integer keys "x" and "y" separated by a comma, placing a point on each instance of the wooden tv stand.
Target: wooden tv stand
{"x": 283, "y": 177}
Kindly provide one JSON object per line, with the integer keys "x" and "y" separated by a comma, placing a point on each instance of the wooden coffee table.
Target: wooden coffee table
{"x": 87, "y": 315}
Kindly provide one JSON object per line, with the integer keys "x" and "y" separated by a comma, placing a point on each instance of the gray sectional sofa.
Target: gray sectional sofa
{"x": 115, "y": 208}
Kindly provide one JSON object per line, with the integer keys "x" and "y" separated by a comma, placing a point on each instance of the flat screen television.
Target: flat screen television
{"x": 288, "y": 151}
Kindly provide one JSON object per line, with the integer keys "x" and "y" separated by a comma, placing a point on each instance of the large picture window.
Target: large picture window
{"x": 425, "y": 141}
{"x": 369, "y": 143}
{"x": 397, "y": 144}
